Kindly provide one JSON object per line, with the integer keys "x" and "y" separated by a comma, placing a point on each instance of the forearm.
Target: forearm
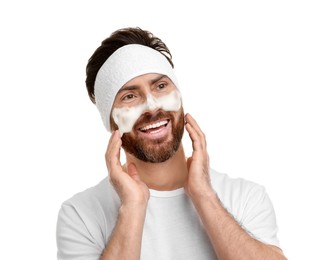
{"x": 126, "y": 238}
{"x": 229, "y": 239}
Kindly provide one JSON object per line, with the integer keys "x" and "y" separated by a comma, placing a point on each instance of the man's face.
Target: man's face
{"x": 156, "y": 134}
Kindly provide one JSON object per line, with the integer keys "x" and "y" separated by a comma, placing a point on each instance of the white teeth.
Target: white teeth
{"x": 154, "y": 125}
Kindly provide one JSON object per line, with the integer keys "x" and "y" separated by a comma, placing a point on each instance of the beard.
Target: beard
{"x": 157, "y": 150}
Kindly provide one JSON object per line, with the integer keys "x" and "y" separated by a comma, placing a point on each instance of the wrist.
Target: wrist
{"x": 200, "y": 190}
{"x": 201, "y": 196}
{"x": 133, "y": 208}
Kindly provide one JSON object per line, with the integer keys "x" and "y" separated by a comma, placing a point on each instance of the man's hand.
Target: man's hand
{"x": 198, "y": 182}
{"x": 131, "y": 190}
{"x": 229, "y": 239}
{"x": 126, "y": 238}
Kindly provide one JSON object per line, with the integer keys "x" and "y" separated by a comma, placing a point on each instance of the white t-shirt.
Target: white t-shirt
{"x": 172, "y": 228}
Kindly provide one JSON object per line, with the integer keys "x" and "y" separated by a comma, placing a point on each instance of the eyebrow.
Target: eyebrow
{"x": 125, "y": 88}
{"x": 158, "y": 78}
{"x": 134, "y": 87}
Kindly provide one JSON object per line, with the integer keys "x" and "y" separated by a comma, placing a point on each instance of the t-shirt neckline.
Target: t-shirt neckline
{"x": 167, "y": 193}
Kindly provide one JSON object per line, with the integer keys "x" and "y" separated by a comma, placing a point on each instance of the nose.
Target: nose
{"x": 152, "y": 103}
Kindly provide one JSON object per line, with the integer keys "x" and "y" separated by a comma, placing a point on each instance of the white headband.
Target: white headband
{"x": 123, "y": 65}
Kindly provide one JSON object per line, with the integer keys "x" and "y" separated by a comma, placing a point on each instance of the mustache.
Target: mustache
{"x": 148, "y": 117}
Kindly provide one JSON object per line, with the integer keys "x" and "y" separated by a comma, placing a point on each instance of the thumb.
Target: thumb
{"x": 132, "y": 171}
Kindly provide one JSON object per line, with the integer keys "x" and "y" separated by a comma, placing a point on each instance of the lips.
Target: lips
{"x": 154, "y": 126}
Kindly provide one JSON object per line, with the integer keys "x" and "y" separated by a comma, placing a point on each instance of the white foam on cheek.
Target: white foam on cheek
{"x": 171, "y": 102}
{"x": 126, "y": 117}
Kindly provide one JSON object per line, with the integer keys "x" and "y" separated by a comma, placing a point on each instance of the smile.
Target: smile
{"x": 154, "y": 127}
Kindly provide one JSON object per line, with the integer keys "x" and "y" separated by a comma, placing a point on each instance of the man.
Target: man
{"x": 158, "y": 205}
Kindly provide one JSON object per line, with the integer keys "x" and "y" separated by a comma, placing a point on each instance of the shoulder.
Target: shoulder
{"x": 227, "y": 185}
{"x": 236, "y": 193}
{"x": 83, "y": 221}
{"x": 249, "y": 204}
{"x": 86, "y": 218}
{"x": 93, "y": 192}
{"x": 93, "y": 200}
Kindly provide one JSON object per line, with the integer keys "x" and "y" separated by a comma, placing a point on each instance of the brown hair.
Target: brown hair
{"x": 116, "y": 40}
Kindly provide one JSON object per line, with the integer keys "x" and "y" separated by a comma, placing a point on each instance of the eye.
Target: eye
{"x": 128, "y": 97}
{"x": 162, "y": 86}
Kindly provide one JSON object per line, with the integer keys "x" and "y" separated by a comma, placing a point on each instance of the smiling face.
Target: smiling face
{"x": 148, "y": 110}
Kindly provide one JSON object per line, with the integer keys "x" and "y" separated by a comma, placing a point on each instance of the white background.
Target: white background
{"x": 253, "y": 73}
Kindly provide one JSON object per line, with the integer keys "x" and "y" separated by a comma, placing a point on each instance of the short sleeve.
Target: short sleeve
{"x": 259, "y": 218}
{"x": 74, "y": 240}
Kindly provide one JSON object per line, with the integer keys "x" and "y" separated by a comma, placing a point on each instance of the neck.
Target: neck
{"x": 168, "y": 175}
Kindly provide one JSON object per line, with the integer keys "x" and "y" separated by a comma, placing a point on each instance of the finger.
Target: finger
{"x": 197, "y": 136}
{"x": 193, "y": 136}
{"x": 190, "y": 120}
{"x": 132, "y": 171}
{"x": 114, "y": 143}
{"x": 115, "y": 137}
{"x": 113, "y": 150}
{"x": 188, "y": 162}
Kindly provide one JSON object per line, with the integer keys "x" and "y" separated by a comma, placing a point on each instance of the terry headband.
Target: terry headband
{"x": 123, "y": 65}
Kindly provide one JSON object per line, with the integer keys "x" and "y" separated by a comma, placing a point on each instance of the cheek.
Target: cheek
{"x": 125, "y": 118}
{"x": 180, "y": 118}
{"x": 171, "y": 102}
